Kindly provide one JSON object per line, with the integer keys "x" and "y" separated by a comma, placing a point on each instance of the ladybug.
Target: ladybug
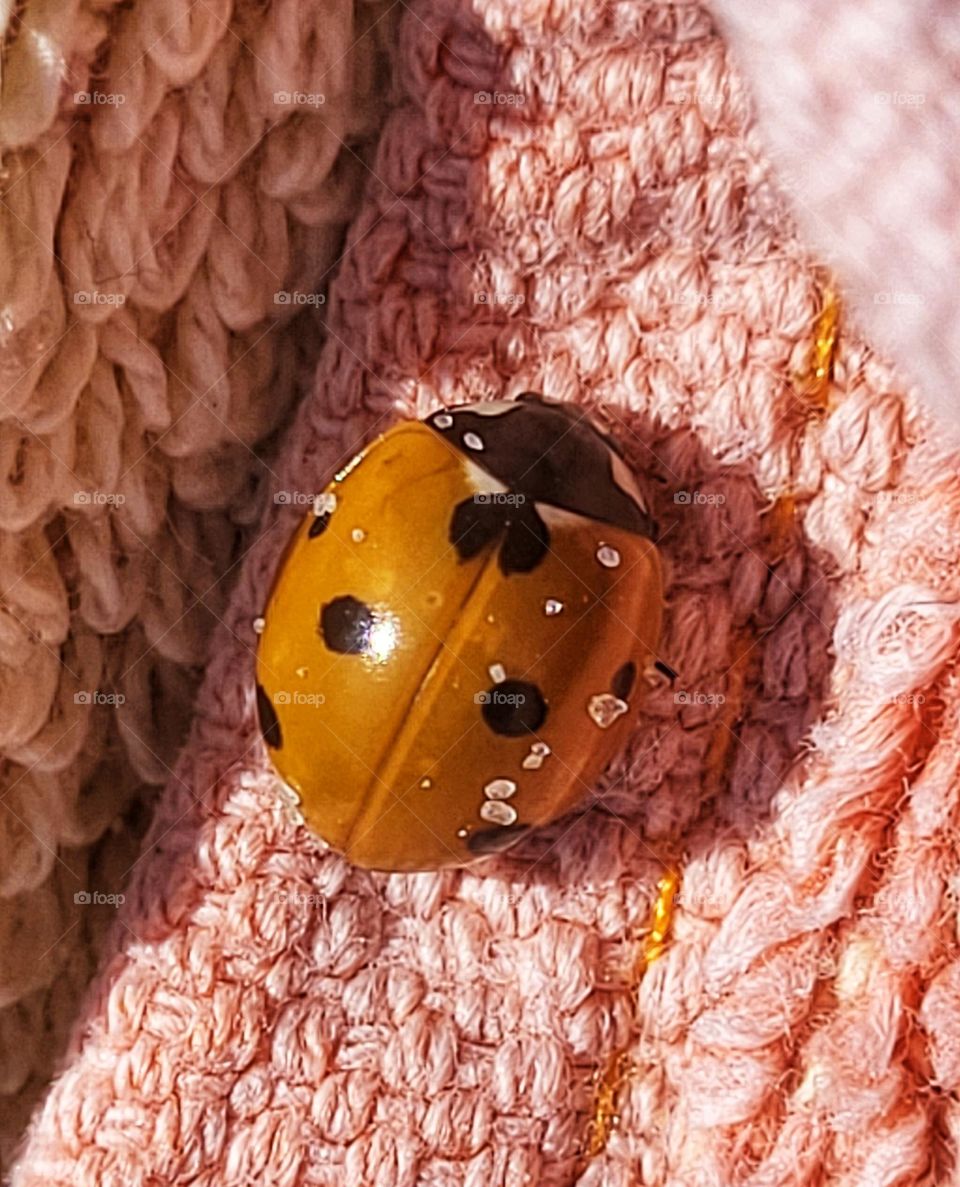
{"x": 457, "y": 633}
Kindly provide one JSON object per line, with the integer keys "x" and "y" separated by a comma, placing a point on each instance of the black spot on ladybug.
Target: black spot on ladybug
{"x": 269, "y": 722}
{"x": 478, "y": 521}
{"x": 473, "y": 526}
{"x": 623, "y": 680}
{"x": 319, "y": 525}
{"x": 345, "y": 624}
{"x": 514, "y": 708}
{"x": 526, "y": 543}
{"x": 494, "y": 840}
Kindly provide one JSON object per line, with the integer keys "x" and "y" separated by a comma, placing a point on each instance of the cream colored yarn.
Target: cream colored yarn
{"x": 161, "y": 183}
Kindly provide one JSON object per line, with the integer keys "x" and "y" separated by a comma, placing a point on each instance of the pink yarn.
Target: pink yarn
{"x": 271, "y": 1015}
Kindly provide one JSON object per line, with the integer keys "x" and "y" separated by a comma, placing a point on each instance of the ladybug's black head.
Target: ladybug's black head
{"x": 551, "y": 452}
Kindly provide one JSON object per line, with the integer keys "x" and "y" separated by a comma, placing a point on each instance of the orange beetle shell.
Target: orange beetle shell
{"x": 456, "y": 637}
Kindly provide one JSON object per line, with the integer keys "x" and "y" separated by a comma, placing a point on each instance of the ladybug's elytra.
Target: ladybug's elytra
{"x": 458, "y": 632}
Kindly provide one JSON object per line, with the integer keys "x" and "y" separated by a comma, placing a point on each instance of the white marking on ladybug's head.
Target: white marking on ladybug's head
{"x": 487, "y": 407}
{"x": 472, "y": 441}
{"x": 624, "y": 478}
{"x": 608, "y": 556}
{"x": 483, "y": 483}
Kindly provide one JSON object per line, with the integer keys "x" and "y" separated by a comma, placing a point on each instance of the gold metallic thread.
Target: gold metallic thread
{"x": 609, "y": 1084}
{"x": 814, "y": 383}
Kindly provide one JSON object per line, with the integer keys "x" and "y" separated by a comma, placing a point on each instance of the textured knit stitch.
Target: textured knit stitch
{"x": 158, "y": 192}
{"x": 268, "y": 1014}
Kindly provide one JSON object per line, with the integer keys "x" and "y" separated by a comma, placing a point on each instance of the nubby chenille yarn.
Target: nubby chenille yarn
{"x": 162, "y": 187}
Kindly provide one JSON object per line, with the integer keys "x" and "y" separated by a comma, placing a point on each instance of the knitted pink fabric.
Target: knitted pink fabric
{"x": 556, "y": 207}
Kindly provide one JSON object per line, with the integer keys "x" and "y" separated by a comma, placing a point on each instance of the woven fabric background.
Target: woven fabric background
{"x": 160, "y": 188}
{"x": 571, "y": 198}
